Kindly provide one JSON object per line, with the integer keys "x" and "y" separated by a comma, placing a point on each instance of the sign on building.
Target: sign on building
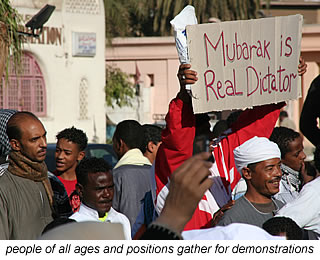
{"x": 245, "y": 63}
{"x": 83, "y": 44}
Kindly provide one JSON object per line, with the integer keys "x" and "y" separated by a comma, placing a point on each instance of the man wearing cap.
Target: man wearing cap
{"x": 258, "y": 161}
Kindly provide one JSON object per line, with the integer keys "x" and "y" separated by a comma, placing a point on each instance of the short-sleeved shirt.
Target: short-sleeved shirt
{"x": 244, "y": 212}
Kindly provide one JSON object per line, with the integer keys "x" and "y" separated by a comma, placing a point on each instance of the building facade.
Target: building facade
{"x": 63, "y": 70}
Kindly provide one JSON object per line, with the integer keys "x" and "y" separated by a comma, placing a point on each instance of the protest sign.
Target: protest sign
{"x": 245, "y": 63}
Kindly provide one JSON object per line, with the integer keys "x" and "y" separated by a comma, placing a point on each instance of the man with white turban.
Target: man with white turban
{"x": 258, "y": 161}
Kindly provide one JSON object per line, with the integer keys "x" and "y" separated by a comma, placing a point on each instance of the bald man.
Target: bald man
{"x": 25, "y": 192}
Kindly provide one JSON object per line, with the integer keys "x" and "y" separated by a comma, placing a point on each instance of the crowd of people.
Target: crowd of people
{"x": 253, "y": 179}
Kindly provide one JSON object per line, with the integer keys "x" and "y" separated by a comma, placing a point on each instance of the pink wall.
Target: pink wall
{"x": 155, "y": 56}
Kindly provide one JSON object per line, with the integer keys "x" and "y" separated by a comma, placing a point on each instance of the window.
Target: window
{"x": 83, "y": 102}
{"x": 25, "y": 91}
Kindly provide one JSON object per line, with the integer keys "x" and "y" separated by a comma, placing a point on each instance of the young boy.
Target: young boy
{"x": 70, "y": 150}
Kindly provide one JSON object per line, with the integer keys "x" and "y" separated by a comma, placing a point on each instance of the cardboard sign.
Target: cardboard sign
{"x": 245, "y": 63}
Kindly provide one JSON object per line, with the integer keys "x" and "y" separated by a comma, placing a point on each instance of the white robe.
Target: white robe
{"x": 305, "y": 209}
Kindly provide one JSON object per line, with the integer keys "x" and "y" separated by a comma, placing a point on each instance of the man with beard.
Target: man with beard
{"x": 258, "y": 160}
{"x": 26, "y": 197}
{"x": 96, "y": 188}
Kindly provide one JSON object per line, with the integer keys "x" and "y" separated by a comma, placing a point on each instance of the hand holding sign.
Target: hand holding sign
{"x": 186, "y": 76}
{"x": 302, "y": 68}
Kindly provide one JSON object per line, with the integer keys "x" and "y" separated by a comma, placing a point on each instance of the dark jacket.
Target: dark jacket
{"x": 131, "y": 182}
{"x": 310, "y": 112}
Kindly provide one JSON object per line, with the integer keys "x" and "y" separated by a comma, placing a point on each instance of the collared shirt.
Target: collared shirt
{"x": 88, "y": 214}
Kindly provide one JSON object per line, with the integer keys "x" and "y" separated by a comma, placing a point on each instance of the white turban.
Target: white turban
{"x": 256, "y": 149}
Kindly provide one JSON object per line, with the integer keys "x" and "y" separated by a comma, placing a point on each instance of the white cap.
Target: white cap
{"x": 256, "y": 149}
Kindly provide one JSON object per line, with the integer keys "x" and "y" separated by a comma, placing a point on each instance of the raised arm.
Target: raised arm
{"x": 178, "y": 136}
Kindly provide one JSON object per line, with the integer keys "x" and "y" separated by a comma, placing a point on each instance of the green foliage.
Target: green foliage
{"x": 128, "y": 18}
{"x": 117, "y": 18}
{"x": 118, "y": 87}
{"x": 11, "y": 21}
{"x": 152, "y": 17}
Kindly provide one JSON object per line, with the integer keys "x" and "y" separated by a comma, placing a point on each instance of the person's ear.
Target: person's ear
{"x": 81, "y": 156}
{"x": 15, "y": 145}
{"x": 116, "y": 143}
{"x": 246, "y": 173}
{"x": 123, "y": 148}
{"x": 151, "y": 146}
{"x": 79, "y": 189}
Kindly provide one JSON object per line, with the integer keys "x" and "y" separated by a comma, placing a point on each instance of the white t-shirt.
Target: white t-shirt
{"x": 88, "y": 214}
